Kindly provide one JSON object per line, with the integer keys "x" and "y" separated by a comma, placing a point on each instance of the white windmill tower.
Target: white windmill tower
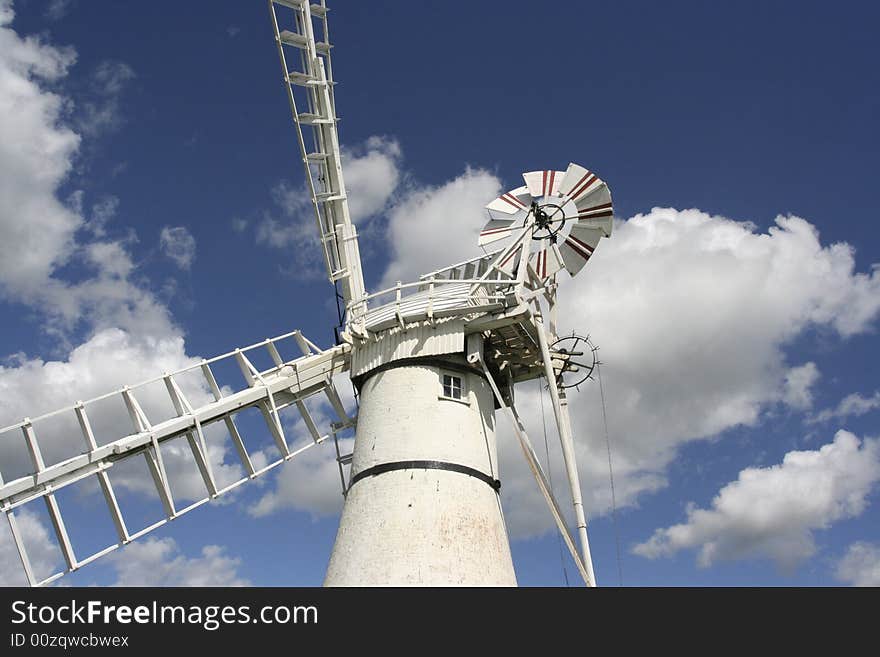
{"x": 432, "y": 361}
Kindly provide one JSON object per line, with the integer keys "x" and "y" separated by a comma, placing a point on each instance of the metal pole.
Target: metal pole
{"x": 560, "y": 410}
{"x": 585, "y": 569}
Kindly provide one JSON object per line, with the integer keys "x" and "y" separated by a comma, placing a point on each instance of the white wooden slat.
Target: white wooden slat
{"x": 61, "y": 531}
{"x": 113, "y": 506}
{"x": 19, "y": 544}
{"x": 85, "y": 426}
{"x": 172, "y": 392}
{"x": 212, "y": 381}
{"x": 30, "y": 439}
{"x": 293, "y": 4}
{"x": 161, "y": 482}
{"x": 272, "y": 421}
{"x": 273, "y": 353}
{"x": 309, "y": 422}
{"x": 136, "y": 413}
{"x": 239, "y": 446}
{"x": 333, "y": 396}
{"x": 247, "y": 370}
{"x": 200, "y": 455}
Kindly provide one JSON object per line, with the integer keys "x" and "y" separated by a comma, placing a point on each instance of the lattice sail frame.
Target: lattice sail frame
{"x": 303, "y": 38}
{"x": 288, "y": 383}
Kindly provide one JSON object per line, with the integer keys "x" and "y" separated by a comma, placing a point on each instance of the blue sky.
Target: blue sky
{"x": 732, "y": 342}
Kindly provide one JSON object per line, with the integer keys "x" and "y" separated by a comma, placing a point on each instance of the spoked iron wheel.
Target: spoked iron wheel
{"x": 574, "y": 359}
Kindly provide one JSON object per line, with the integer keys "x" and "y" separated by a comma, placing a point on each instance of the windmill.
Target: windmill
{"x": 432, "y": 360}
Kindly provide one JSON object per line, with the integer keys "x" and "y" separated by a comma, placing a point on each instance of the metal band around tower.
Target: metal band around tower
{"x": 382, "y": 468}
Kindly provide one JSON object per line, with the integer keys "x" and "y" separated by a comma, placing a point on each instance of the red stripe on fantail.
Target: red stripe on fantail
{"x": 575, "y": 186}
{"x": 597, "y": 215}
{"x": 595, "y": 207}
{"x": 515, "y": 202}
{"x": 582, "y": 249}
{"x": 592, "y": 179}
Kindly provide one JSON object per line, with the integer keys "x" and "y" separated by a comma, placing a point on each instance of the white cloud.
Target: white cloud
{"x": 297, "y": 229}
{"x": 44, "y": 556}
{"x": 102, "y": 212}
{"x": 107, "y": 300}
{"x": 148, "y": 562}
{"x": 35, "y": 156}
{"x": 525, "y": 510}
{"x": 128, "y": 333}
{"x": 860, "y": 566}
{"x": 111, "y": 77}
{"x": 431, "y": 227}
{"x": 57, "y": 9}
{"x": 372, "y": 174}
{"x": 310, "y": 483}
{"x": 110, "y": 359}
{"x": 111, "y": 258}
{"x": 179, "y": 245}
{"x": 797, "y": 387}
{"x": 101, "y": 111}
{"x": 772, "y": 512}
{"x": 853, "y": 405}
{"x": 692, "y": 313}
{"x": 39, "y": 231}
{"x": 159, "y": 562}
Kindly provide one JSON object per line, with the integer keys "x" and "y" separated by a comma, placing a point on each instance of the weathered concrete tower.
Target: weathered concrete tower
{"x": 423, "y": 505}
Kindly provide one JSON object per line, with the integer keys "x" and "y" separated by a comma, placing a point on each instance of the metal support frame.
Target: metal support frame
{"x": 585, "y": 569}
{"x": 563, "y": 422}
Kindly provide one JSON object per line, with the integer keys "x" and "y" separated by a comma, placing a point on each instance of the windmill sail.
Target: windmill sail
{"x": 308, "y": 77}
{"x": 286, "y": 384}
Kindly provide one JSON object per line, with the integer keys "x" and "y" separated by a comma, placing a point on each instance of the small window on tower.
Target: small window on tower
{"x": 452, "y": 386}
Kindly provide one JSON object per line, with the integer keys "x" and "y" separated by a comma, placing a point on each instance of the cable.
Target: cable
{"x": 611, "y": 478}
{"x": 550, "y": 477}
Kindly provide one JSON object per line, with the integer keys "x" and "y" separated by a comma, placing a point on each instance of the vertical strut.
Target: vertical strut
{"x": 535, "y": 466}
{"x": 560, "y": 410}
{"x": 60, "y": 530}
{"x": 19, "y": 545}
{"x": 229, "y": 421}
